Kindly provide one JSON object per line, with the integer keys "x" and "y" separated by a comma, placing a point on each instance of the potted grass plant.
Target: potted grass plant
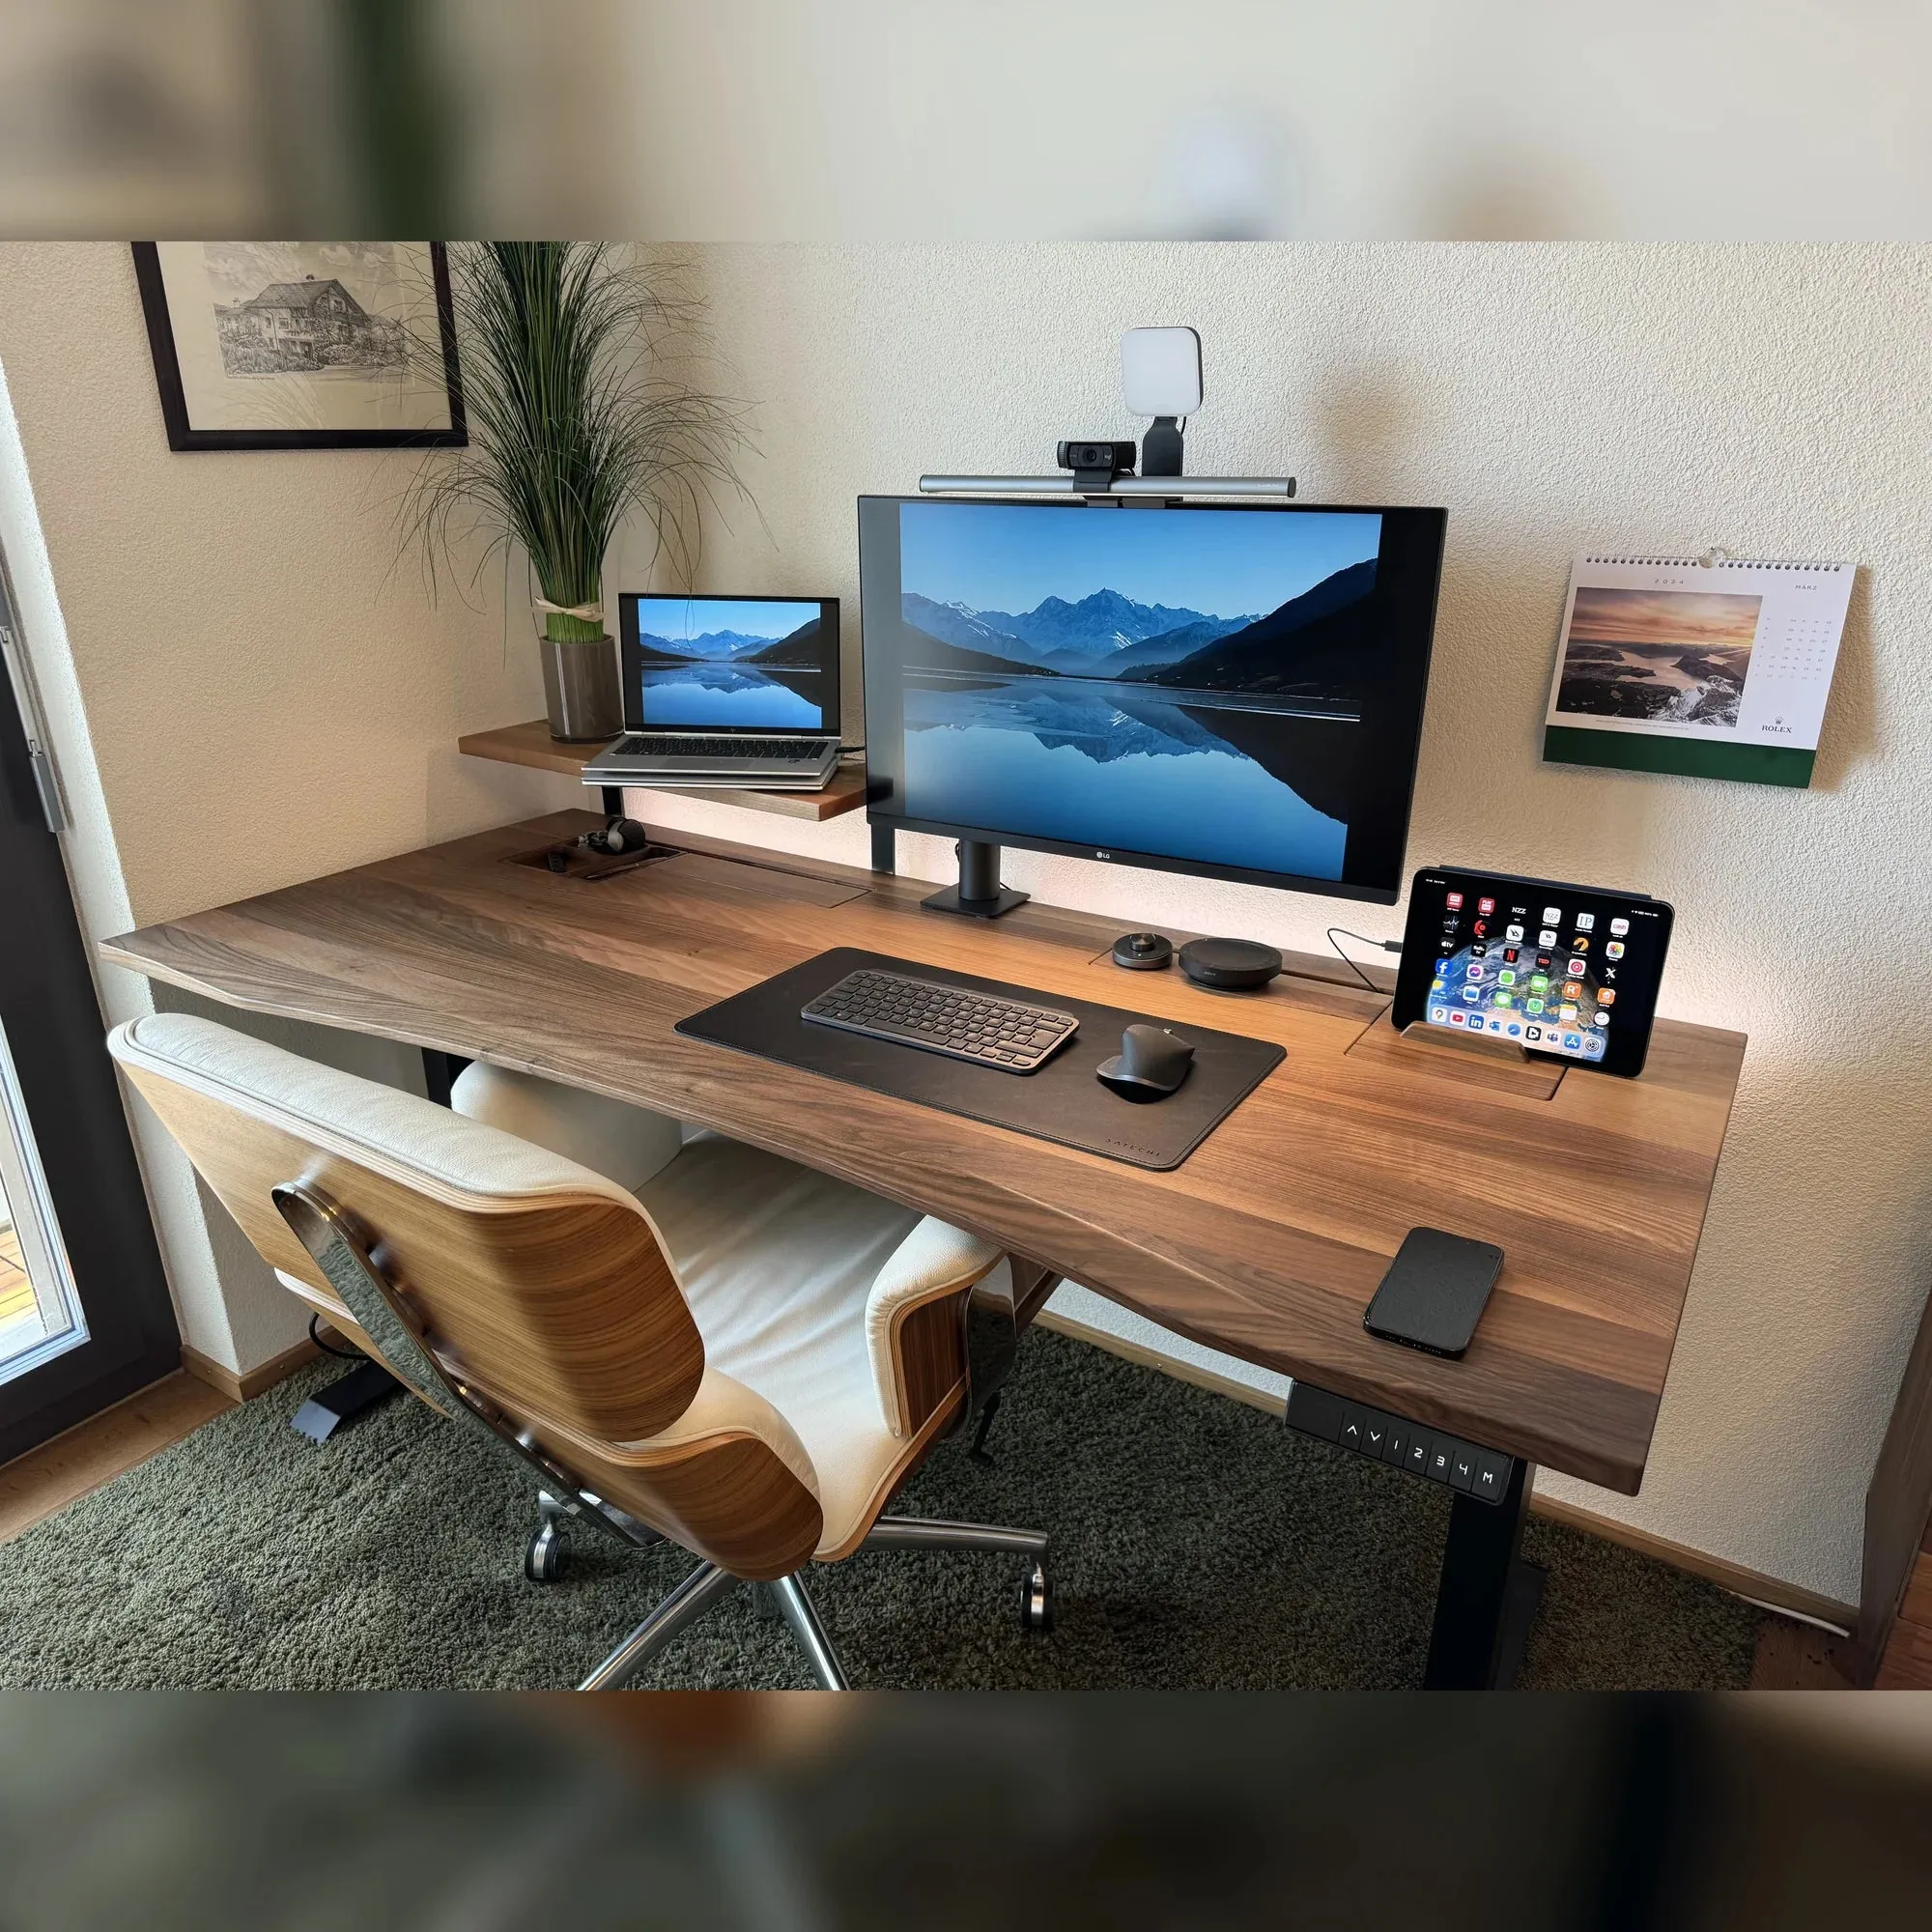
{"x": 577, "y": 425}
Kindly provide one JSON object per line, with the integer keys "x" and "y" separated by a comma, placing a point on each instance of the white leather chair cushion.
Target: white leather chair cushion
{"x": 777, "y": 1263}
{"x": 724, "y": 1407}
{"x": 624, "y": 1143}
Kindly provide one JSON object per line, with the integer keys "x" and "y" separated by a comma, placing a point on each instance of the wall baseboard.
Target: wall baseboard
{"x": 245, "y": 1389}
{"x": 1770, "y": 1593}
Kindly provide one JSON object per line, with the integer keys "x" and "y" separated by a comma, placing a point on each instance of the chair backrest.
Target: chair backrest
{"x": 542, "y": 1278}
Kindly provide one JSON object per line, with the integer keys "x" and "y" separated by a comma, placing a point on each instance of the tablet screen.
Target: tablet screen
{"x": 1562, "y": 970}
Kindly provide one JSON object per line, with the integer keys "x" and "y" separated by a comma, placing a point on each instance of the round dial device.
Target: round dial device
{"x": 1142, "y": 951}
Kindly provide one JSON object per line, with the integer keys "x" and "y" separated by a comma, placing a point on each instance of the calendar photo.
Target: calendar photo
{"x": 1715, "y": 669}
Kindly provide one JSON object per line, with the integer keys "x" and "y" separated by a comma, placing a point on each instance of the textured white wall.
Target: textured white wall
{"x": 247, "y": 689}
{"x": 1772, "y": 399}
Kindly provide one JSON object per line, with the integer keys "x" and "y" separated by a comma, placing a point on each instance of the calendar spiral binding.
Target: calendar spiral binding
{"x": 1721, "y": 560}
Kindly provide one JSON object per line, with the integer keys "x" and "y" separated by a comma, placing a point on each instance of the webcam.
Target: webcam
{"x": 1094, "y": 463}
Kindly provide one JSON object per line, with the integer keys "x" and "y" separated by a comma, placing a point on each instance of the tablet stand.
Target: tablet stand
{"x": 1420, "y": 1033}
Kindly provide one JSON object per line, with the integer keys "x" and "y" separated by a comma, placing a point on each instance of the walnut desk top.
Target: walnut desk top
{"x": 1267, "y": 1242}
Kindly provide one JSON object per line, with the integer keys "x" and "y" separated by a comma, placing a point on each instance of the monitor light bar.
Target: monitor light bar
{"x": 1122, "y": 486}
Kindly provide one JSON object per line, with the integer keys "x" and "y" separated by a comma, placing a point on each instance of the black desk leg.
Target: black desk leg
{"x": 1489, "y": 1595}
{"x": 439, "y": 1071}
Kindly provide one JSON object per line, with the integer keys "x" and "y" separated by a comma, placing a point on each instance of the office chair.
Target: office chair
{"x": 743, "y": 1356}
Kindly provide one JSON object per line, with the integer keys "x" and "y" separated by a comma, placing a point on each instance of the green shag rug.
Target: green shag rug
{"x": 1197, "y": 1544}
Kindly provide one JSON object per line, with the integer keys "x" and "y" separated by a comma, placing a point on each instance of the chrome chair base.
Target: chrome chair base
{"x": 708, "y": 1586}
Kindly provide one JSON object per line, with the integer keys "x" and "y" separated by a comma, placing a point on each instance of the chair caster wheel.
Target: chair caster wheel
{"x": 1036, "y": 1600}
{"x": 543, "y": 1553}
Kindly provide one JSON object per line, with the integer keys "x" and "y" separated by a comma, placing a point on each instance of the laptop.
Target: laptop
{"x": 726, "y": 691}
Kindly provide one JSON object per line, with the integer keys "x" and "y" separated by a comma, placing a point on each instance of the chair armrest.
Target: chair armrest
{"x": 933, "y": 1263}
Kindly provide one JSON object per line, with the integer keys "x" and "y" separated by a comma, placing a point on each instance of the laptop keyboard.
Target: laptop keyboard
{"x": 664, "y": 744}
{"x": 944, "y": 1019}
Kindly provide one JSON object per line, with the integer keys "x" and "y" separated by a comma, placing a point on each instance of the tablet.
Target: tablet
{"x": 1571, "y": 972}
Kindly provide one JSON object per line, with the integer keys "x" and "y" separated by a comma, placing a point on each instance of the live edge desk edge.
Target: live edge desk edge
{"x": 1267, "y": 1243}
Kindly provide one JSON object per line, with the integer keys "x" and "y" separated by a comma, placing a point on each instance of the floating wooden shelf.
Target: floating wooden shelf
{"x": 532, "y": 745}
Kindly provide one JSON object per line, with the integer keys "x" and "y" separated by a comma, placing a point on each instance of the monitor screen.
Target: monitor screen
{"x": 736, "y": 664}
{"x": 1235, "y": 691}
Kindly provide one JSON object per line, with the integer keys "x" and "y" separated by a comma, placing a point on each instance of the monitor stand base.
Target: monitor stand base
{"x": 978, "y": 895}
{"x": 949, "y": 901}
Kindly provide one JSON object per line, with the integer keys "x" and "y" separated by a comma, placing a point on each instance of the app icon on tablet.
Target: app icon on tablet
{"x": 1546, "y": 937}
{"x": 1532, "y": 1033}
{"x": 1441, "y": 1013}
{"x": 1511, "y": 932}
{"x": 1606, "y": 998}
{"x": 1454, "y": 901}
{"x": 1552, "y": 915}
{"x": 1614, "y": 950}
{"x": 1485, "y": 907}
{"x": 1619, "y": 926}
{"x": 1586, "y": 921}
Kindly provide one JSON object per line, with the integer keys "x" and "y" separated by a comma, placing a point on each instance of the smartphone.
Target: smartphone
{"x": 1435, "y": 1292}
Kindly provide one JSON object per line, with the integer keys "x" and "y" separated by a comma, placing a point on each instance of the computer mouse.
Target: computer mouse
{"x": 1150, "y": 1065}
{"x": 1142, "y": 951}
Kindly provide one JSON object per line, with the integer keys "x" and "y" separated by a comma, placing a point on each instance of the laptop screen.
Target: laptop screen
{"x": 730, "y": 664}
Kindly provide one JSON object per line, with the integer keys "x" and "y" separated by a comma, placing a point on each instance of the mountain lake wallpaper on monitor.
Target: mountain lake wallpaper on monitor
{"x": 1190, "y": 683}
{"x": 743, "y": 664}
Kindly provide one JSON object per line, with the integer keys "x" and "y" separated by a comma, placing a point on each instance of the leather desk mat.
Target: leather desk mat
{"x": 1063, "y": 1101}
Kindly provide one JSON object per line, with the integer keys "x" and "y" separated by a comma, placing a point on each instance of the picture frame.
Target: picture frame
{"x": 302, "y": 345}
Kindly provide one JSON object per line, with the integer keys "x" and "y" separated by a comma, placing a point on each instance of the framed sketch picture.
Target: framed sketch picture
{"x": 302, "y": 345}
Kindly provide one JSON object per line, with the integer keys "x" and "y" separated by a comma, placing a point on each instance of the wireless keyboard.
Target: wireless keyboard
{"x": 944, "y": 1019}
{"x": 663, "y": 745}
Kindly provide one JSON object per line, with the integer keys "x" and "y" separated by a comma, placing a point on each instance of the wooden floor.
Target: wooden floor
{"x": 107, "y": 1445}
{"x": 1799, "y": 1657}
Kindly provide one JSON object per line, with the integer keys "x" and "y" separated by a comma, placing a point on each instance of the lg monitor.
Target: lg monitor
{"x": 1234, "y": 690}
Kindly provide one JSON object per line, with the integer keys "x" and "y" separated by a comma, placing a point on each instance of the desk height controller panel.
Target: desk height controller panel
{"x": 1482, "y": 1473}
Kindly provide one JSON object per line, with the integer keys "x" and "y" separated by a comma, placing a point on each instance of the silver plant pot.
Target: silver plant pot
{"x": 582, "y": 690}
